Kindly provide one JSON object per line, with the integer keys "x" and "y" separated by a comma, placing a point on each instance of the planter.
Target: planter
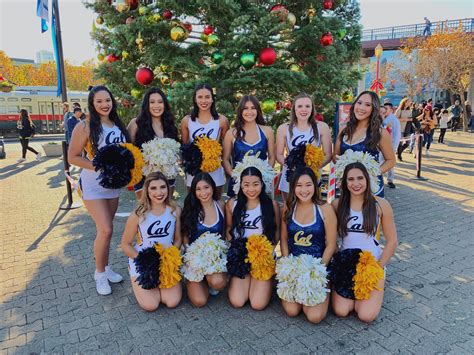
{"x": 6, "y": 88}
{"x": 53, "y": 150}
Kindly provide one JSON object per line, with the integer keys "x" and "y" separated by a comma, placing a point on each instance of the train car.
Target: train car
{"x": 41, "y": 102}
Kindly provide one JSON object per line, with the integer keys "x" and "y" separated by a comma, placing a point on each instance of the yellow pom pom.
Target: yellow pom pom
{"x": 367, "y": 277}
{"x": 170, "y": 263}
{"x": 211, "y": 151}
{"x": 260, "y": 256}
{"x": 136, "y": 172}
{"x": 89, "y": 151}
{"x": 313, "y": 158}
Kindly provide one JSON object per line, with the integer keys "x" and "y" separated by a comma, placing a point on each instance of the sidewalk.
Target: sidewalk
{"x": 49, "y": 303}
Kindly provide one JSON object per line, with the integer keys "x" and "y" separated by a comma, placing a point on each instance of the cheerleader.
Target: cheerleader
{"x": 203, "y": 213}
{"x": 364, "y": 133}
{"x": 360, "y": 216}
{"x": 155, "y": 220}
{"x": 252, "y": 212}
{"x": 155, "y": 120}
{"x": 104, "y": 127}
{"x": 205, "y": 121}
{"x": 250, "y": 136}
{"x": 308, "y": 226}
{"x": 302, "y": 128}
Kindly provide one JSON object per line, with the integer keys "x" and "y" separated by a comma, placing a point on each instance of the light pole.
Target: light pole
{"x": 377, "y": 83}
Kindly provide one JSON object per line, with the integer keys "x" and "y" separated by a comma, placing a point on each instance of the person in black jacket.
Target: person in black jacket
{"x": 27, "y": 130}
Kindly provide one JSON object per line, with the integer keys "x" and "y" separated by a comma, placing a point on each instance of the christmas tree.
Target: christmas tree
{"x": 272, "y": 50}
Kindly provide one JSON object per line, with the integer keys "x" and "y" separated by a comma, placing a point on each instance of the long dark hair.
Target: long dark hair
{"x": 292, "y": 200}
{"x": 195, "y": 111}
{"x": 192, "y": 208}
{"x": 239, "y": 121}
{"x": 266, "y": 207}
{"x": 25, "y": 116}
{"x": 145, "y": 130}
{"x": 369, "y": 208}
{"x": 373, "y": 134}
{"x": 94, "y": 121}
{"x": 311, "y": 118}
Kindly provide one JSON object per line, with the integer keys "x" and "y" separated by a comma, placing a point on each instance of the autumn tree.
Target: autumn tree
{"x": 446, "y": 58}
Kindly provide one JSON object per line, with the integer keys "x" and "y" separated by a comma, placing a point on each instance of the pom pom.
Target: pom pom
{"x": 237, "y": 263}
{"x": 170, "y": 264}
{"x": 342, "y": 270}
{"x": 192, "y": 158}
{"x": 147, "y": 264}
{"x": 88, "y": 149}
{"x": 267, "y": 171}
{"x": 211, "y": 151}
{"x": 313, "y": 158}
{"x": 161, "y": 154}
{"x": 138, "y": 163}
{"x": 372, "y": 166}
{"x": 114, "y": 162}
{"x": 302, "y": 279}
{"x": 206, "y": 256}
{"x": 368, "y": 274}
{"x": 295, "y": 159}
{"x": 260, "y": 256}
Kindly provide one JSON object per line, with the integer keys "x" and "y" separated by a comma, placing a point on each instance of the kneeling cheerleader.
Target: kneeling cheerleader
{"x": 253, "y": 233}
{"x": 155, "y": 260}
{"x": 202, "y": 228}
{"x": 308, "y": 241}
{"x": 357, "y": 270}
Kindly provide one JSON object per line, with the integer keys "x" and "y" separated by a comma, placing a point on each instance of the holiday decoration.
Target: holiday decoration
{"x": 144, "y": 76}
{"x": 139, "y": 41}
{"x": 121, "y": 6}
{"x": 129, "y": 20}
{"x": 268, "y": 106}
{"x": 208, "y": 29}
{"x": 156, "y": 17}
{"x": 294, "y": 67}
{"x": 217, "y": 57}
{"x": 112, "y": 58}
{"x": 125, "y": 55}
{"x": 135, "y": 93}
{"x": 311, "y": 12}
{"x": 167, "y": 15}
{"x": 99, "y": 20}
{"x": 100, "y": 57}
{"x": 291, "y": 19}
{"x": 165, "y": 79}
{"x": 327, "y": 4}
{"x": 133, "y": 4}
{"x": 267, "y": 56}
{"x": 187, "y": 26}
{"x": 280, "y": 11}
{"x": 326, "y": 39}
{"x": 213, "y": 40}
{"x": 142, "y": 10}
{"x": 203, "y": 37}
{"x": 341, "y": 33}
{"x": 178, "y": 34}
{"x": 247, "y": 60}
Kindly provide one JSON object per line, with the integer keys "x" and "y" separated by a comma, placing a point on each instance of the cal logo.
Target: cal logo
{"x": 301, "y": 240}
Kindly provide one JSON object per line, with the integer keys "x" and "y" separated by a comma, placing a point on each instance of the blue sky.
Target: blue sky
{"x": 20, "y": 34}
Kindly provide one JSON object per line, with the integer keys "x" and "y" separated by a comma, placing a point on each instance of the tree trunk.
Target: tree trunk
{"x": 464, "y": 112}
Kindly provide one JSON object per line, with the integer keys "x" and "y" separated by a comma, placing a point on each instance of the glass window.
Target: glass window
{"x": 25, "y": 99}
{"x": 12, "y": 99}
{"x": 13, "y": 109}
{"x": 3, "y": 109}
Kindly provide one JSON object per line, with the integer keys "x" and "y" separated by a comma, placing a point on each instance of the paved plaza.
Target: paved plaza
{"x": 49, "y": 303}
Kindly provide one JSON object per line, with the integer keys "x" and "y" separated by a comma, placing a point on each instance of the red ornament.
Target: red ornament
{"x": 267, "y": 56}
{"x": 187, "y": 26}
{"x": 281, "y": 11}
{"x": 133, "y": 4}
{"x": 327, "y": 4}
{"x": 208, "y": 29}
{"x": 287, "y": 105}
{"x": 279, "y": 105}
{"x": 144, "y": 76}
{"x": 319, "y": 117}
{"x": 112, "y": 58}
{"x": 326, "y": 39}
{"x": 167, "y": 15}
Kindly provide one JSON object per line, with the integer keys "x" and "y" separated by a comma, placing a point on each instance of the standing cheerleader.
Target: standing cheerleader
{"x": 249, "y": 137}
{"x": 357, "y": 270}
{"x": 155, "y": 120}
{"x": 154, "y": 222}
{"x": 363, "y": 133}
{"x": 103, "y": 128}
{"x": 204, "y": 121}
{"x": 308, "y": 226}
{"x": 203, "y": 214}
{"x": 253, "y": 214}
{"x": 302, "y": 129}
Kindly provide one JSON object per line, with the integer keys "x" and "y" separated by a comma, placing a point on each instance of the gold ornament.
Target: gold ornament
{"x": 164, "y": 68}
{"x": 121, "y": 6}
{"x": 100, "y": 57}
{"x": 139, "y": 41}
{"x": 238, "y": 95}
{"x": 291, "y": 19}
{"x": 135, "y": 93}
{"x": 178, "y": 34}
{"x": 99, "y": 20}
{"x": 294, "y": 67}
{"x": 142, "y": 10}
{"x": 311, "y": 13}
{"x": 125, "y": 55}
{"x": 165, "y": 79}
{"x": 156, "y": 17}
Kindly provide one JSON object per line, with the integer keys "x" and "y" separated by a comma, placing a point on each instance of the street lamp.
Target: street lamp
{"x": 377, "y": 83}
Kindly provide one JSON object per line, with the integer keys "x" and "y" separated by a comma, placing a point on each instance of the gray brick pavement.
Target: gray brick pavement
{"x": 49, "y": 303}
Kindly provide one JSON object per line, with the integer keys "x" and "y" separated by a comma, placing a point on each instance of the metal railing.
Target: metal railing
{"x": 415, "y": 30}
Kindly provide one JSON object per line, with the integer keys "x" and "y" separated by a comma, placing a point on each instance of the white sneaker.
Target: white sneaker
{"x": 102, "y": 283}
{"x": 38, "y": 157}
{"x": 427, "y": 152}
{"x": 21, "y": 160}
{"x": 113, "y": 276}
{"x": 213, "y": 292}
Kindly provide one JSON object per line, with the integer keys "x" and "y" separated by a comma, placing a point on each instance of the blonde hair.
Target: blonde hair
{"x": 144, "y": 204}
